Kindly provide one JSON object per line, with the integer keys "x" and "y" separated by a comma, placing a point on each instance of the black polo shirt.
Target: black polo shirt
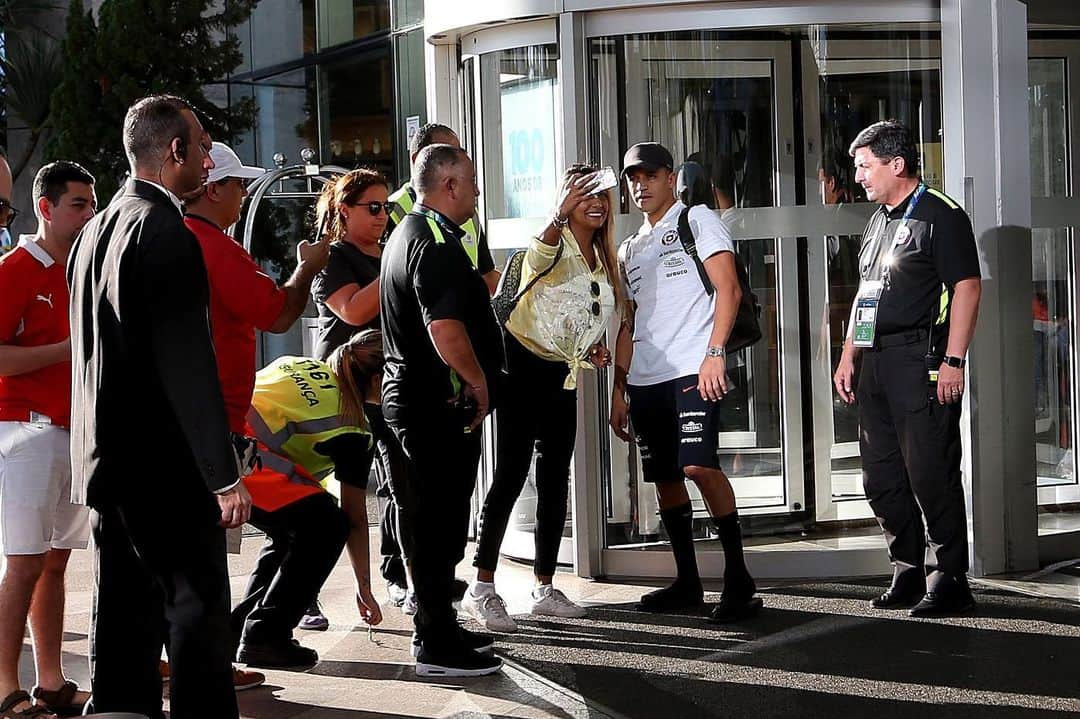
{"x": 348, "y": 264}
{"x": 424, "y": 280}
{"x": 939, "y": 252}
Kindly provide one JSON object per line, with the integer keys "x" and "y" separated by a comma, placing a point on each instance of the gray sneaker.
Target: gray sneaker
{"x": 550, "y": 602}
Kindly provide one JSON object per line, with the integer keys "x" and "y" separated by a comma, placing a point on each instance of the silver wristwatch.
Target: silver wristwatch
{"x": 716, "y": 352}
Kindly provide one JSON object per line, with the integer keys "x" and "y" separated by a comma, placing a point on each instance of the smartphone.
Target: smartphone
{"x": 607, "y": 179}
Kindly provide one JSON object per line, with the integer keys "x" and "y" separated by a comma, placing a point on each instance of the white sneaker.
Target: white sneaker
{"x": 409, "y": 606}
{"x": 550, "y": 602}
{"x": 489, "y": 610}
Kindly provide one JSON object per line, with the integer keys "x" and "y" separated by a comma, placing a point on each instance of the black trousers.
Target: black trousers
{"x": 161, "y": 578}
{"x": 303, "y": 542}
{"x": 910, "y": 447}
{"x": 441, "y": 476}
{"x": 534, "y": 411}
{"x": 393, "y": 534}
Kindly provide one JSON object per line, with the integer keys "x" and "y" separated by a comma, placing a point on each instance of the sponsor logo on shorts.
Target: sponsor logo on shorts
{"x": 692, "y": 427}
{"x": 692, "y": 440}
{"x": 669, "y": 237}
{"x": 691, "y": 412}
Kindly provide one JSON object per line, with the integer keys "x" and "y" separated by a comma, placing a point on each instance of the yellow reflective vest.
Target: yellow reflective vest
{"x": 404, "y": 200}
{"x": 295, "y": 406}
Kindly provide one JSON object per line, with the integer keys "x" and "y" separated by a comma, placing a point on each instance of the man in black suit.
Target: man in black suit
{"x": 150, "y": 445}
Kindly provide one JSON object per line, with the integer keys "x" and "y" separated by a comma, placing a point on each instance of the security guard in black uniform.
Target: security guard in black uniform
{"x": 443, "y": 351}
{"x": 911, "y": 324}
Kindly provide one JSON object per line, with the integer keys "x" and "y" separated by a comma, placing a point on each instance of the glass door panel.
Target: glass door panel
{"x": 718, "y": 103}
{"x": 1053, "y": 88}
{"x": 849, "y": 84}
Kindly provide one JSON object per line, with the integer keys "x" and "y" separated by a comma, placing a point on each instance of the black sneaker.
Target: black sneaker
{"x": 672, "y": 598}
{"x": 477, "y": 642}
{"x": 456, "y": 662}
{"x": 277, "y": 655}
{"x": 459, "y": 588}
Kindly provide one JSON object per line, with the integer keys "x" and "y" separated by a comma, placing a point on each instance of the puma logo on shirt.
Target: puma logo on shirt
{"x": 45, "y": 299}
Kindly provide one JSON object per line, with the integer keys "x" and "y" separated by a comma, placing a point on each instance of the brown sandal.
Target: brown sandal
{"x": 7, "y": 707}
{"x": 61, "y": 701}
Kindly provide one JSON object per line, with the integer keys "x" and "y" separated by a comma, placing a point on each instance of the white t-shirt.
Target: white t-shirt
{"x": 674, "y": 316}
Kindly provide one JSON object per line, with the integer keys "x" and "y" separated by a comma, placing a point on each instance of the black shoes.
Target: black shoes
{"x": 906, "y": 589}
{"x": 459, "y": 588}
{"x": 277, "y": 655}
{"x": 950, "y": 597}
{"x": 477, "y": 642}
{"x": 680, "y": 595}
{"x": 458, "y": 661}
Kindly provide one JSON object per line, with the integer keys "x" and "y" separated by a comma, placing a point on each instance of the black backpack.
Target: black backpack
{"x": 746, "y": 330}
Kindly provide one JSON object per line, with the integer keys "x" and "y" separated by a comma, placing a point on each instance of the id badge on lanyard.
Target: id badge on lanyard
{"x": 864, "y": 329}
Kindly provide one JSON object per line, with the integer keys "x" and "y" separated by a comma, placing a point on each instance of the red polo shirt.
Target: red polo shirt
{"x": 242, "y": 298}
{"x": 34, "y": 312}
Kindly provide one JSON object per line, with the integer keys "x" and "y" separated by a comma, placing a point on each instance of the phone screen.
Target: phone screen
{"x": 607, "y": 178}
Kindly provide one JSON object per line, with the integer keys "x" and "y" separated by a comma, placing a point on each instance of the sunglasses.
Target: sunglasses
{"x": 594, "y": 288}
{"x": 7, "y": 213}
{"x": 376, "y": 207}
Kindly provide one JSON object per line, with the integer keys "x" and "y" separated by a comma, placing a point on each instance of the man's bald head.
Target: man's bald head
{"x": 445, "y": 180}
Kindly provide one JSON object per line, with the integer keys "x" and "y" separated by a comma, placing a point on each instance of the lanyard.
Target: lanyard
{"x": 467, "y": 241}
{"x": 903, "y": 233}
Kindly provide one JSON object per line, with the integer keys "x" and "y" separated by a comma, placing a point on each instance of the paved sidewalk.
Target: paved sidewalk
{"x": 816, "y": 651}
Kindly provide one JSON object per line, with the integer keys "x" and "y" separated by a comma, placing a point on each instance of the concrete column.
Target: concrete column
{"x": 987, "y": 169}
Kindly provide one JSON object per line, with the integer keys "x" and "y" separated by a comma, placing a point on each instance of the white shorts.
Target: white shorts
{"x": 36, "y": 513}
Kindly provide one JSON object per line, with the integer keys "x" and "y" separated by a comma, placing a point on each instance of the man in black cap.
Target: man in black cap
{"x": 671, "y": 373}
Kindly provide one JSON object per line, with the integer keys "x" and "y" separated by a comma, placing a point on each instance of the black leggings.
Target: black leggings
{"x": 534, "y": 410}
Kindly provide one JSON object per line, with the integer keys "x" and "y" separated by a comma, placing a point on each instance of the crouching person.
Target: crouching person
{"x": 308, "y": 417}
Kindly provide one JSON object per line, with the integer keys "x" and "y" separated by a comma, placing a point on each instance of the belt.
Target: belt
{"x": 899, "y": 339}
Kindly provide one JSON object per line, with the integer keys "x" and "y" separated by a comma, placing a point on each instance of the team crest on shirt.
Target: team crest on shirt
{"x": 669, "y": 237}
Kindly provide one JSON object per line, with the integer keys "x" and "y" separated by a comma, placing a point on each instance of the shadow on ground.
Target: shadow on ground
{"x": 816, "y": 650}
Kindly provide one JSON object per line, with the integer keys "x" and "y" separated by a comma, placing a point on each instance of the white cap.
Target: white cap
{"x": 227, "y": 164}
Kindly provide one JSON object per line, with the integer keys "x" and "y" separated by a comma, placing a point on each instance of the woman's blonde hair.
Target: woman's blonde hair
{"x": 604, "y": 238}
{"x": 342, "y": 191}
{"x": 355, "y": 363}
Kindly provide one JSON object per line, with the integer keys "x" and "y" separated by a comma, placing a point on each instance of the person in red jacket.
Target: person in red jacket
{"x": 39, "y": 526}
{"x": 243, "y": 298}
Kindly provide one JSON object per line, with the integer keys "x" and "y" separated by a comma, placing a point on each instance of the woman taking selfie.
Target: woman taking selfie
{"x": 567, "y": 292}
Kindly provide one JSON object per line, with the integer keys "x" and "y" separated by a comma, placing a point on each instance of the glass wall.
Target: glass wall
{"x": 517, "y": 100}
{"x": 1053, "y": 64}
{"x": 286, "y": 120}
{"x": 358, "y": 111}
{"x": 770, "y": 115}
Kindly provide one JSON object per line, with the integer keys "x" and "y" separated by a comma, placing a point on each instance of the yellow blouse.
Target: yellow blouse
{"x": 561, "y": 316}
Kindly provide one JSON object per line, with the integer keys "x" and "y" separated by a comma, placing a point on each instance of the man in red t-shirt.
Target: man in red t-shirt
{"x": 242, "y": 296}
{"x": 39, "y": 526}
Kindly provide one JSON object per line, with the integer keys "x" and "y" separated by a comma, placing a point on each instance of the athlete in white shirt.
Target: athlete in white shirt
{"x": 671, "y": 373}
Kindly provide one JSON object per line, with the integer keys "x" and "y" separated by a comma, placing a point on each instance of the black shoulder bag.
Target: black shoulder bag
{"x": 746, "y": 330}
{"x": 506, "y": 297}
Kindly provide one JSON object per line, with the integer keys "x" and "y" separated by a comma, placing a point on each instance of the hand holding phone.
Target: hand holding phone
{"x": 603, "y": 180}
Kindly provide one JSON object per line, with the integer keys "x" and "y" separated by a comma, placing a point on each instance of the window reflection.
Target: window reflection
{"x": 360, "y": 124}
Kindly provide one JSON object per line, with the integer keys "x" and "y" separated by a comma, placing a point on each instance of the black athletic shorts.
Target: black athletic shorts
{"x": 675, "y": 428}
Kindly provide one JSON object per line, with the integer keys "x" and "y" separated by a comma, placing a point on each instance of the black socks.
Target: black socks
{"x": 736, "y": 574}
{"x": 679, "y": 523}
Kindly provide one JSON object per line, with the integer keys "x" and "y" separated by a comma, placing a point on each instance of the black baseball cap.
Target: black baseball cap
{"x": 648, "y": 155}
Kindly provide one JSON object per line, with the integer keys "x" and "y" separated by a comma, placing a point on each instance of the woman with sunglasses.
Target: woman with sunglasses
{"x": 551, "y": 334}
{"x": 309, "y": 418}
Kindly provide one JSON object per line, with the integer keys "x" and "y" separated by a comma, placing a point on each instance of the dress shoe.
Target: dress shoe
{"x": 680, "y": 595}
{"x": 277, "y": 655}
{"x": 906, "y": 589}
{"x": 950, "y": 597}
{"x": 733, "y": 609}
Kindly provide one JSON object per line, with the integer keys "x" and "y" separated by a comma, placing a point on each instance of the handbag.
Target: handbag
{"x": 746, "y": 330}
{"x": 506, "y": 296}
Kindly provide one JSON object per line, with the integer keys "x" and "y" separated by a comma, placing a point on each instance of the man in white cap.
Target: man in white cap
{"x": 242, "y": 296}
